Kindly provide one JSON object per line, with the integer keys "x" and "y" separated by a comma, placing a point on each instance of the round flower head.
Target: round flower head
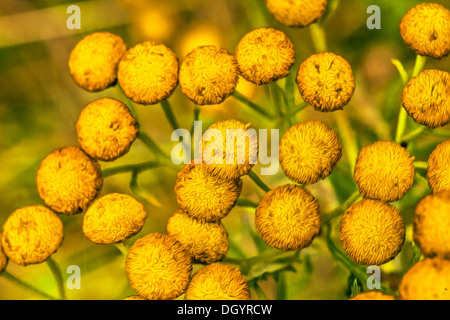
{"x": 93, "y": 61}
{"x": 372, "y": 232}
{"x": 207, "y": 242}
{"x": 425, "y": 28}
{"x": 218, "y": 282}
{"x": 297, "y": 13}
{"x": 208, "y": 75}
{"x": 426, "y": 98}
{"x": 309, "y": 151}
{"x": 106, "y": 129}
{"x": 205, "y": 196}
{"x": 31, "y": 234}
{"x": 158, "y": 267}
{"x": 230, "y": 148}
{"x": 148, "y": 72}
{"x": 432, "y": 225}
{"x": 3, "y": 257}
{"x": 438, "y": 167}
{"x": 264, "y": 55}
{"x": 288, "y": 218}
{"x": 427, "y": 280}
{"x": 68, "y": 180}
{"x": 373, "y": 295}
{"x": 135, "y": 297}
{"x": 384, "y": 171}
{"x": 113, "y": 218}
{"x": 325, "y": 81}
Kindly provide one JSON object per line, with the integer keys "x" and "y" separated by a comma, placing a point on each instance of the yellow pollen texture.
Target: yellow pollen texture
{"x": 373, "y": 295}
{"x": 297, "y": 13}
{"x": 438, "y": 171}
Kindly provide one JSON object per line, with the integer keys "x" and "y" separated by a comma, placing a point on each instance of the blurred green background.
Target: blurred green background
{"x": 40, "y": 103}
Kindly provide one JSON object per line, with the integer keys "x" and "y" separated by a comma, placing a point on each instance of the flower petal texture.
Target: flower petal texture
{"x": 373, "y": 295}
{"x": 297, "y": 13}
{"x": 3, "y": 257}
{"x": 439, "y": 167}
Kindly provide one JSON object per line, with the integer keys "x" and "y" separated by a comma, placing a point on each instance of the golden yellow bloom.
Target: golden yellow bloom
{"x": 426, "y": 98}
{"x": 373, "y": 295}
{"x": 135, "y": 297}
{"x": 31, "y": 234}
{"x": 93, "y": 61}
{"x": 297, "y": 13}
{"x": 106, "y": 129}
{"x": 384, "y": 171}
{"x": 148, "y": 72}
{"x": 113, "y": 218}
{"x": 325, "y": 81}
{"x": 309, "y": 151}
{"x": 264, "y": 55}
{"x": 208, "y": 75}
{"x": 288, "y": 218}
{"x": 207, "y": 242}
{"x": 68, "y": 180}
{"x": 438, "y": 167}
{"x": 205, "y": 196}
{"x": 3, "y": 257}
{"x": 372, "y": 232}
{"x": 425, "y": 28}
{"x": 432, "y": 225}
{"x": 237, "y": 152}
{"x": 428, "y": 279}
{"x": 218, "y": 282}
{"x": 158, "y": 267}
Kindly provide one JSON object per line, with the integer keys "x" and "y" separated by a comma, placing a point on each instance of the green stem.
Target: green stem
{"x": 318, "y": 37}
{"x": 259, "y": 291}
{"x": 56, "y": 271}
{"x": 295, "y": 110}
{"x": 419, "y": 65}
{"x": 421, "y": 178}
{"x": 25, "y": 285}
{"x": 168, "y": 111}
{"x": 413, "y": 134}
{"x": 258, "y": 181}
{"x": 355, "y": 196}
{"x": 138, "y": 167}
{"x": 251, "y": 104}
{"x": 246, "y": 203}
{"x": 348, "y": 139}
{"x": 440, "y": 133}
{"x": 421, "y": 165}
{"x": 122, "y": 248}
{"x": 151, "y": 145}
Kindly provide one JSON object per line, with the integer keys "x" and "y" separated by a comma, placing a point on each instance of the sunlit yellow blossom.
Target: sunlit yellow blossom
{"x": 3, "y": 257}
{"x": 93, "y": 61}
{"x": 426, "y": 98}
{"x": 438, "y": 167}
{"x": 31, "y": 234}
{"x": 218, "y": 282}
{"x": 205, "y": 196}
{"x": 208, "y": 75}
{"x": 148, "y": 72}
{"x": 106, "y": 129}
{"x": 384, "y": 170}
{"x": 372, "y": 232}
{"x": 428, "y": 279}
{"x": 113, "y": 218}
{"x": 158, "y": 267}
{"x": 207, "y": 242}
{"x": 264, "y": 55}
{"x": 373, "y": 295}
{"x": 297, "y": 13}
{"x": 432, "y": 225}
{"x": 136, "y": 297}
{"x": 234, "y": 155}
{"x": 309, "y": 151}
{"x": 288, "y": 218}
{"x": 425, "y": 28}
{"x": 68, "y": 180}
{"x": 325, "y": 81}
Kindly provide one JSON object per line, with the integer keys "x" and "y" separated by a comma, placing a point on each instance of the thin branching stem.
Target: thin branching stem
{"x": 238, "y": 96}
{"x": 5, "y": 274}
{"x": 258, "y": 181}
{"x": 56, "y": 271}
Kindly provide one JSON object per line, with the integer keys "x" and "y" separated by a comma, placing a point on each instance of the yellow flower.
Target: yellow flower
{"x": 425, "y": 28}
{"x": 106, "y": 129}
{"x": 384, "y": 171}
{"x": 208, "y": 75}
{"x": 372, "y": 232}
{"x": 230, "y": 160}
{"x": 288, "y": 218}
{"x": 432, "y": 225}
{"x": 113, "y": 218}
{"x": 68, "y": 180}
{"x": 148, "y": 72}
{"x": 3, "y": 257}
{"x": 158, "y": 267}
{"x": 218, "y": 282}
{"x": 93, "y": 61}
{"x": 309, "y": 151}
{"x": 438, "y": 167}
{"x": 426, "y": 98}
{"x": 298, "y": 13}
{"x": 325, "y": 81}
{"x": 31, "y": 234}
{"x": 205, "y": 196}
{"x": 428, "y": 279}
{"x": 135, "y": 297}
{"x": 264, "y": 55}
{"x": 373, "y": 295}
{"x": 207, "y": 242}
